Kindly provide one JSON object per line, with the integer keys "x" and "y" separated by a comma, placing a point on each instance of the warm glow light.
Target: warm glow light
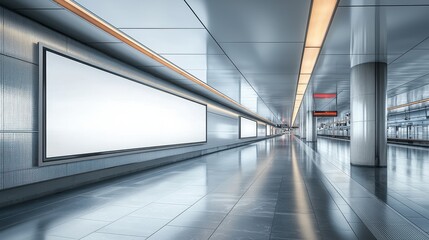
{"x": 301, "y": 89}
{"x": 309, "y": 59}
{"x": 408, "y": 104}
{"x": 325, "y": 113}
{"x": 304, "y": 78}
{"x": 106, "y": 27}
{"x": 321, "y": 13}
{"x": 324, "y": 95}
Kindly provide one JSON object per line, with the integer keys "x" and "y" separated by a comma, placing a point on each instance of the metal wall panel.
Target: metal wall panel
{"x": 20, "y": 151}
{"x": 32, "y": 175}
{"x": 20, "y": 83}
{"x": 262, "y": 129}
{"x": 1, "y": 30}
{"x": 18, "y": 158}
{"x": 22, "y": 35}
{"x": 221, "y": 128}
{"x": 1, "y": 95}
{"x": 1, "y": 159}
{"x": 1, "y": 99}
{"x": 30, "y": 4}
{"x": 66, "y": 21}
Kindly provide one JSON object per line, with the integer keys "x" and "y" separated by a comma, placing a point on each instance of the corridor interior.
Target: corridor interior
{"x": 279, "y": 188}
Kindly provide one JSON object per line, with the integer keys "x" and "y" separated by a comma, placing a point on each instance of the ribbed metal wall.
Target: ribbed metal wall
{"x": 18, "y": 105}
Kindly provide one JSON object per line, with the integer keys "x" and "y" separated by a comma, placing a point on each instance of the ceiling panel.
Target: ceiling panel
{"x": 186, "y": 41}
{"x": 423, "y": 45}
{"x": 253, "y": 20}
{"x": 265, "y": 57}
{"x": 275, "y": 89}
{"x": 406, "y": 26}
{"x": 143, "y": 13}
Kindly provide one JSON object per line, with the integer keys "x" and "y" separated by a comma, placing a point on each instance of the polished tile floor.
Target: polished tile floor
{"x": 274, "y": 189}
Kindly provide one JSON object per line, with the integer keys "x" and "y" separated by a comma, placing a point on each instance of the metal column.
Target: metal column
{"x": 368, "y": 81}
{"x": 311, "y": 131}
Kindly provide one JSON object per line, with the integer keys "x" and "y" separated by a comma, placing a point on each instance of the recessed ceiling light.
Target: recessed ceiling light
{"x": 321, "y": 15}
{"x": 309, "y": 60}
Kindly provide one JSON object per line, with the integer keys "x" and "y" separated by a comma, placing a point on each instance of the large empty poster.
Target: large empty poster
{"x": 89, "y": 111}
{"x": 248, "y": 128}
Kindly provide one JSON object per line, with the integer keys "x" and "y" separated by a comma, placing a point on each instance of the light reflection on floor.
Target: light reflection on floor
{"x": 403, "y": 185}
{"x": 272, "y": 189}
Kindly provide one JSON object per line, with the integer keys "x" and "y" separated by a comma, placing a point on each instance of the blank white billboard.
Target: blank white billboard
{"x": 248, "y": 128}
{"x": 90, "y": 111}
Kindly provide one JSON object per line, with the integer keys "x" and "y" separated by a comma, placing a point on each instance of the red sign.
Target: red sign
{"x": 324, "y": 95}
{"x": 325, "y": 113}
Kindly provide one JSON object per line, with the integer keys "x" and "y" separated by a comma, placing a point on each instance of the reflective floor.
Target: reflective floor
{"x": 403, "y": 185}
{"x": 274, "y": 189}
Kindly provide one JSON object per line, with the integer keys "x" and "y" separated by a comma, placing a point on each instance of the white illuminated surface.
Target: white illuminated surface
{"x": 268, "y": 130}
{"x": 92, "y": 111}
{"x": 247, "y": 128}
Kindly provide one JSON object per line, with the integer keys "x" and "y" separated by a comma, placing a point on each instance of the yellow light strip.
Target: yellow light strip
{"x": 106, "y": 27}
{"x": 321, "y": 14}
{"x": 408, "y": 104}
{"x": 309, "y": 60}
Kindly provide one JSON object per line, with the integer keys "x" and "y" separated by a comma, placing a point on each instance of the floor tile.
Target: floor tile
{"x": 254, "y": 206}
{"x": 209, "y": 220}
{"x": 160, "y": 210}
{"x": 108, "y": 236}
{"x": 247, "y": 223}
{"x": 228, "y": 234}
{"x": 134, "y": 226}
{"x": 289, "y": 194}
{"x": 109, "y": 213}
{"x": 76, "y": 228}
{"x": 181, "y": 233}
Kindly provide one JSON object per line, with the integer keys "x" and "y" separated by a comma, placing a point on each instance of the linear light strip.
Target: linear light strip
{"x": 408, "y": 104}
{"x": 106, "y": 27}
{"x": 321, "y": 15}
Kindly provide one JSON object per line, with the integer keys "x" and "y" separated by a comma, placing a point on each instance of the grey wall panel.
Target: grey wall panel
{"x": 33, "y": 175}
{"x": 1, "y": 99}
{"x": 20, "y": 84}
{"x": 262, "y": 130}
{"x": 1, "y": 30}
{"x": 18, "y": 158}
{"x": 20, "y": 151}
{"x": 22, "y": 35}
{"x": 87, "y": 54}
{"x": 222, "y": 127}
{"x": 1, "y": 94}
{"x": 1, "y": 160}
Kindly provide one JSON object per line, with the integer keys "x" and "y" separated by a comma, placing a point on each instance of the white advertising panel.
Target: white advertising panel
{"x": 90, "y": 111}
{"x": 247, "y": 128}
